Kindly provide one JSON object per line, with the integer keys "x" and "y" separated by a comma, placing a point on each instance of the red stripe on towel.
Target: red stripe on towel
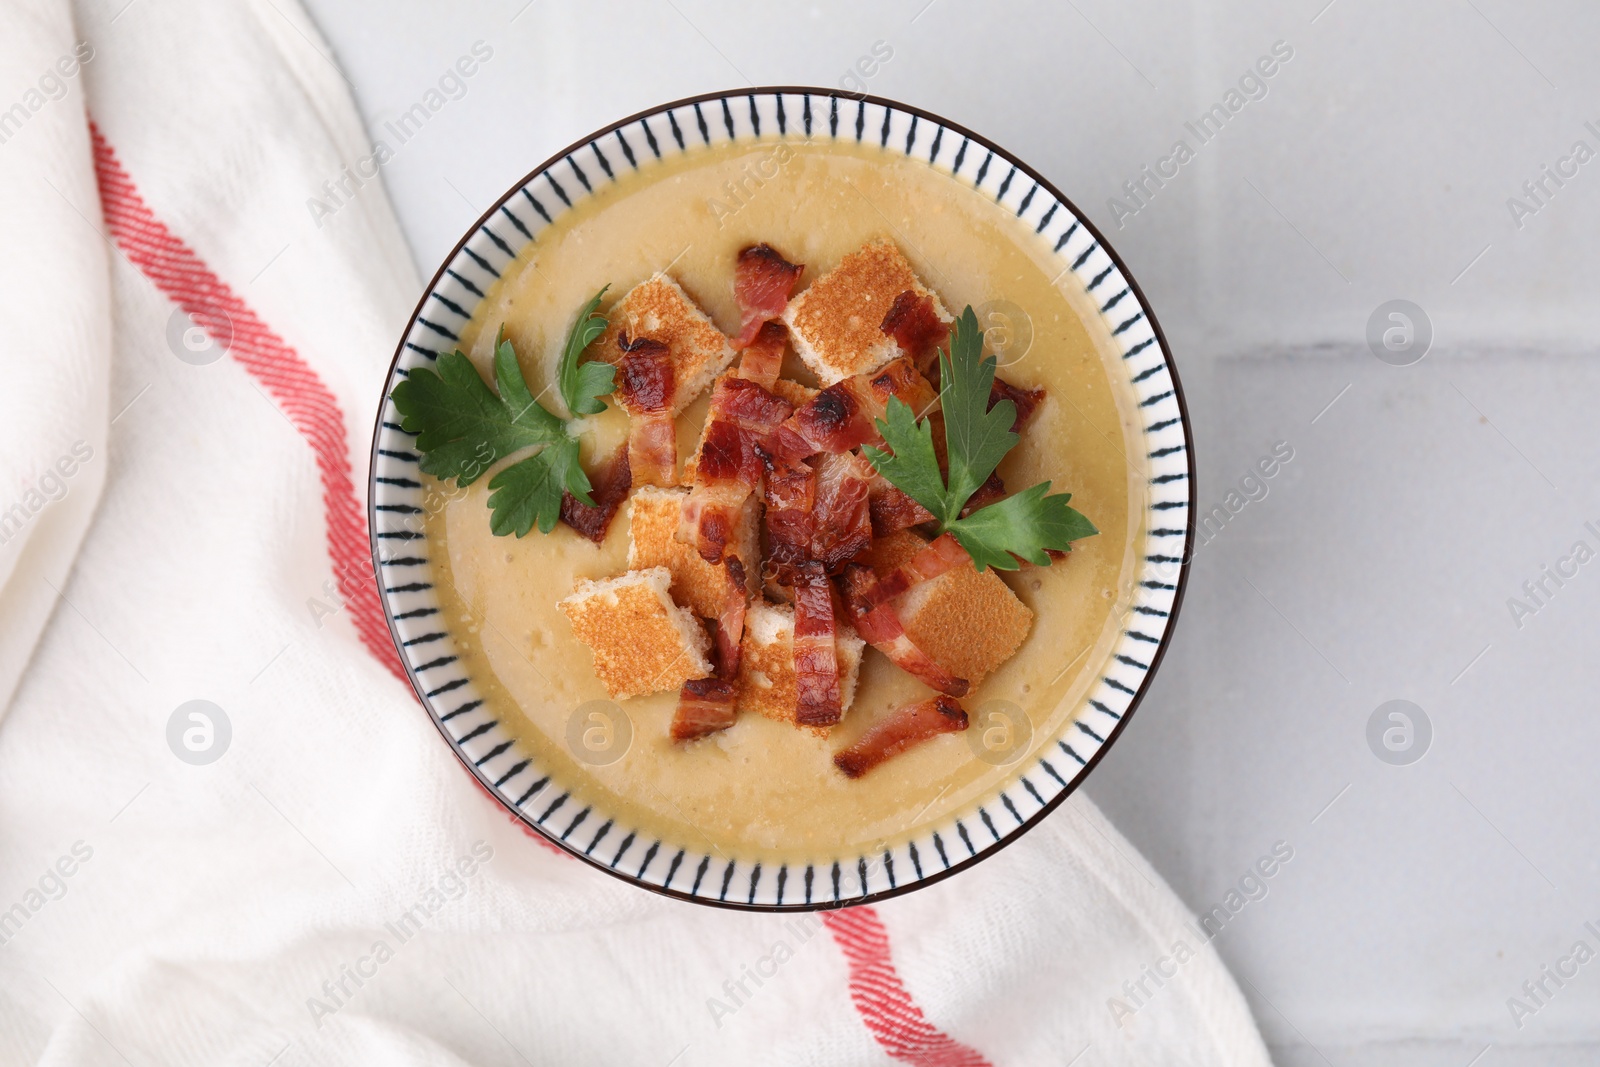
{"x": 186, "y": 280}
{"x": 882, "y": 999}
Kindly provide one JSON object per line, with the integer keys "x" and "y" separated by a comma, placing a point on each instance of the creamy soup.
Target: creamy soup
{"x": 763, "y": 789}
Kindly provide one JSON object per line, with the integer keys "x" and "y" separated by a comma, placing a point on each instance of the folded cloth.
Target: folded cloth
{"x": 296, "y": 871}
{"x": 55, "y": 300}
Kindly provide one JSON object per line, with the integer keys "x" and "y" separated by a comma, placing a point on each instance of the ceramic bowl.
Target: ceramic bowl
{"x": 1038, "y": 783}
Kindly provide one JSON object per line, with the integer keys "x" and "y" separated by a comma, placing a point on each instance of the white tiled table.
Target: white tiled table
{"x": 1377, "y": 165}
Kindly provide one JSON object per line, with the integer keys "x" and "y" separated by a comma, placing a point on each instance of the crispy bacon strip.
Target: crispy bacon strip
{"x": 841, "y": 514}
{"x": 728, "y": 467}
{"x": 1026, "y": 400}
{"x": 875, "y": 620}
{"x": 730, "y": 624}
{"x": 943, "y": 553}
{"x": 842, "y": 416}
{"x": 763, "y": 359}
{"x": 756, "y": 412}
{"x": 706, "y": 705}
{"x": 762, "y": 282}
{"x": 900, "y": 378}
{"x": 791, "y": 496}
{"x": 608, "y": 488}
{"x": 816, "y": 654}
{"x": 903, "y": 728}
{"x": 835, "y": 420}
{"x": 892, "y": 509}
{"x": 653, "y": 449}
{"x": 917, "y": 329}
{"x": 708, "y": 517}
{"x": 644, "y": 386}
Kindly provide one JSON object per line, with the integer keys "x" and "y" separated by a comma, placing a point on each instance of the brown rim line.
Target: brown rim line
{"x": 1183, "y": 567}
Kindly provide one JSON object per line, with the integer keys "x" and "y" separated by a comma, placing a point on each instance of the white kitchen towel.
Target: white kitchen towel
{"x": 55, "y": 302}
{"x": 193, "y": 363}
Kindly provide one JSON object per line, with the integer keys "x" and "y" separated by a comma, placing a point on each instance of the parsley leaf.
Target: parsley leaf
{"x": 1022, "y": 525}
{"x": 582, "y": 384}
{"x": 977, "y": 438}
{"x": 912, "y": 466}
{"x": 529, "y": 491}
{"x": 463, "y": 428}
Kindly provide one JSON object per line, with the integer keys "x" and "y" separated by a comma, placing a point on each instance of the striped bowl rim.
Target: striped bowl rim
{"x": 514, "y": 776}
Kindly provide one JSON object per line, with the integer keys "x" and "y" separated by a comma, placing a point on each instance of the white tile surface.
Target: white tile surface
{"x": 1377, "y": 165}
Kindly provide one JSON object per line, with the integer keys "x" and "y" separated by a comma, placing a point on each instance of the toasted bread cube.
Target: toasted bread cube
{"x": 970, "y": 623}
{"x": 652, "y": 542}
{"x": 660, "y": 310}
{"x": 766, "y": 662}
{"x": 796, "y": 394}
{"x": 642, "y": 641}
{"x": 836, "y": 324}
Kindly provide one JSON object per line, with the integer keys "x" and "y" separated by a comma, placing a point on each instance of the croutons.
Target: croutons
{"x": 766, "y": 662}
{"x": 836, "y": 323}
{"x": 660, "y": 310}
{"x": 968, "y": 623}
{"x": 642, "y": 641}
{"x": 652, "y": 542}
{"x": 795, "y": 393}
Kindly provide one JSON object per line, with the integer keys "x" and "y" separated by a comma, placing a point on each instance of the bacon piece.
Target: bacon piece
{"x": 763, "y": 359}
{"x": 892, "y": 510}
{"x": 762, "y": 282}
{"x": 905, "y": 727}
{"x": 608, "y": 489}
{"x": 749, "y": 409}
{"x": 728, "y": 467}
{"x": 816, "y": 655}
{"x": 900, "y": 378}
{"x": 875, "y": 620}
{"x": 841, "y": 514}
{"x": 791, "y": 496}
{"x": 644, "y": 386}
{"x": 653, "y": 449}
{"x": 730, "y": 624}
{"x": 842, "y": 416}
{"x": 943, "y": 553}
{"x": 708, "y": 517}
{"x": 917, "y": 329}
{"x": 644, "y": 380}
{"x": 1026, "y": 400}
{"x": 707, "y": 705}
{"x": 831, "y": 421}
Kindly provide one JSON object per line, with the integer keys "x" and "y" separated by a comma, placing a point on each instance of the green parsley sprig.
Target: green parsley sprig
{"x": 463, "y": 428}
{"x": 977, "y": 437}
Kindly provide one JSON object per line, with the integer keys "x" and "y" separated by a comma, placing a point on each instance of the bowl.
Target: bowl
{"x": 514, "y": 775}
